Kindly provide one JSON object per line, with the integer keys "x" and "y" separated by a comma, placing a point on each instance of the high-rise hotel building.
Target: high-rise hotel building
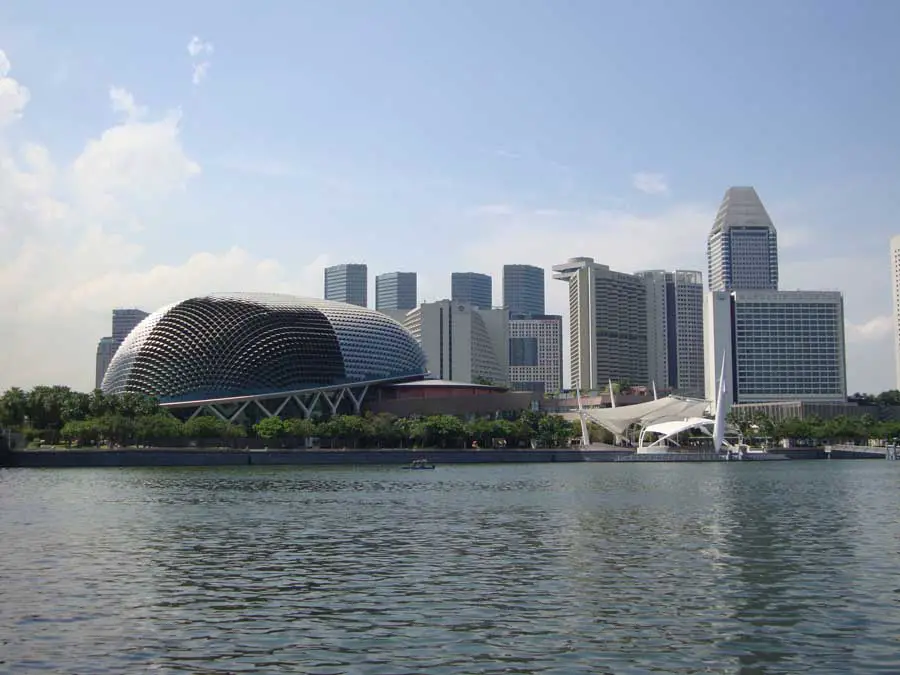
{"x": 607, "y": 324}
{"x": 777, "y": 345}
{"x": 742, "y": 248}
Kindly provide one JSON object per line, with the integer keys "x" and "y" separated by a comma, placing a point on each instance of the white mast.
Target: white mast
{"x": 721, "y": 410}
{"x": 612, "y": 396}
{"x": 654, "y": 390}
{"x": 585, "y": 434}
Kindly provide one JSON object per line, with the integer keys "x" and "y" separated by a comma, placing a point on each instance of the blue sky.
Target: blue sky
{"x": 431, "y": 137}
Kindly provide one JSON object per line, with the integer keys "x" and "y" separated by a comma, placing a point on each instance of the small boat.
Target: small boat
{"x": 419, "y": 465}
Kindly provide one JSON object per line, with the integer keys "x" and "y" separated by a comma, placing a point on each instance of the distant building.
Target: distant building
{"x": 347, "y": 283}
{"x": 535, "y": 353}
{"x": 396, "y": 290}
{"x": 778, "y": 345}
{"x": 106, "y": 349}
{"x": 523, "y": 289}
{"x": 675, "y": 330}
{"x": 607, "y": 324}
{"x": 462, "y": 343}
{"x": 742, "y": 248}
{"x": 123, "y": 322}
{"x": 472, "y": 288}
{"x": 895, "y": 289}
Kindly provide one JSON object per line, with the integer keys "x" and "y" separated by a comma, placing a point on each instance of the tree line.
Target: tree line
{"x": 55, "y": 415}
{"x": 844, "y": 428}
{"x": 58, "y": 414}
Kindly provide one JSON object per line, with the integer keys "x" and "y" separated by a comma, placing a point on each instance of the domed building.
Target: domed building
{"x": 281, "y": 353}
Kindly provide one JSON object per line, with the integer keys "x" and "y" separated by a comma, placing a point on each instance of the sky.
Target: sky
{"x": 151, "y": 152}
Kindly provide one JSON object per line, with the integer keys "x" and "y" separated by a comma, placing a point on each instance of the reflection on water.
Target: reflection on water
{"x": 631, "y": 568}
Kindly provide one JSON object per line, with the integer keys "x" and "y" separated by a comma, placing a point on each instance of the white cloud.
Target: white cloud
{"x": 873, "y": 330}
{"x": 13, "y": 96}
{"x": 200, "y": 51}
{"x": 123, "y": 101}
{"x": 70, "y": 255}
{"x": 650, "y": 183}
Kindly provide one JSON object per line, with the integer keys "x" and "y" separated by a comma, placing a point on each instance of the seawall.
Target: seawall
{"x": 224, "y": 457}
{"x": 161, "y": 457}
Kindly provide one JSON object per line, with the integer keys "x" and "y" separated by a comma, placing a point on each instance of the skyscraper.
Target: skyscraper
{"x": 742, "y": 248}
{"x": 106, "y": 349}
{"x": 473, "y": 288}
{"x": 777, "y": 345}
{"x": 675, "y": 330}
{"x": 123, "y": 322}
{"x": 395, "y": 290}
{"x": 607, "y": 324}
{"x": 895, "y": 290}
{"x": 535, "y": 353}
{"x": 347, "y": 283}
{"x": 523, "y": 289}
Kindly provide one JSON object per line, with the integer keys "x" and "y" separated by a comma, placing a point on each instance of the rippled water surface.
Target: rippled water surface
{"x": 592, "y": 568}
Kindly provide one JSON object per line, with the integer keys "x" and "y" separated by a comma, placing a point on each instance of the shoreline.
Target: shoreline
{"x": 199, "y": 457}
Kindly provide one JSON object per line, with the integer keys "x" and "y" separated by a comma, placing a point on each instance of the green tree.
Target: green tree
{"x": 269, "y": 428}
{"x": 162, "y": 426}
{"x": 13, "y": 408}
{"x": 204, "y": 427}
{"x": 299, "y": 428}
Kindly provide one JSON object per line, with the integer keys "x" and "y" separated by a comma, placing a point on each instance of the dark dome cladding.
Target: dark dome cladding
{"x": 241, "y": 344}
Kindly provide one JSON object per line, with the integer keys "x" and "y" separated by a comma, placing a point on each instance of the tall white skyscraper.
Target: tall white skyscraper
{"x": 675, "y": 330}
{"x": 895, "y": 290}
{"x": 607, "y": 324}
{"x": 742, "y": 248}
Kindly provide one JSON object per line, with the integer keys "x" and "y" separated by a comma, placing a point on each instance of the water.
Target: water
{"x": 783, "y": 567}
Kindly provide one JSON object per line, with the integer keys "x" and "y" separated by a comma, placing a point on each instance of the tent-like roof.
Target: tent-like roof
{"x": 668, "y": 409}
{"x": 675, "y": 427}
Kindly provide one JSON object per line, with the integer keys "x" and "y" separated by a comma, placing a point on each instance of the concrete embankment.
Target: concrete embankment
{"x": 150, "y": 457}
{"x": 223, "y": 457}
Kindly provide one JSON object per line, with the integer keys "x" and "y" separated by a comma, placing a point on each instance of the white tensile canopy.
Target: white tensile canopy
{"x": 671, "y": 409}
{"x": 667, "y": 430}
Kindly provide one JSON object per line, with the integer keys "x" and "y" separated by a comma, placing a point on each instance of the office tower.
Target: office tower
{"x": 523, "y": 289}
{"x": 472, "y": 288}
{"x": 347, "y": 283}
{"x": 895, "y": 290}
{"x": 106, "y": 349}
{"x": 607, "y": 324}
{"x": 778, "y": 345}
{"x": 675, "y": 330}
{"x": 535, "y": 353}
{"x": 742, "y": 248}
{"x": 124, "y": 321}
{"x": 395, "y": 290}
{"x": 462, "y": 343}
